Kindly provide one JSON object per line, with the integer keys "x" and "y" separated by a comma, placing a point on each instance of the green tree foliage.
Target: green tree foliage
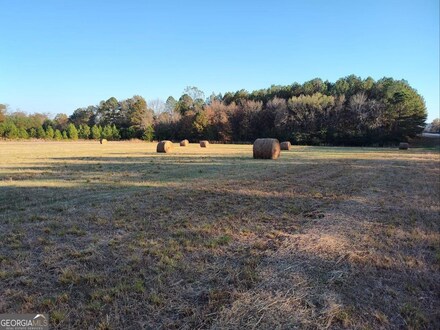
{"x": 72, "y": 132}
{"x": 138, "y": 113}
{"x": 83, "y": 116}
{"x": 200, "y": 124}
{"x": 50, "y": 133}
{"x": 84, "y": 131}
{"x": 306, "y": 117}
{"x": 61, "y": 121}
{"x": 9, "y": 130}
{"x": 57, "y": 135}
{"x": 405, "y": 111}
{"x": 115, "y": 133}
{"x": 350, "y": 111}
{"x": 65, "y": 136}
{"x": 148, "y": 133}
{"x": 107, "y": 132}
{"x": 96, "y": 133}
{"x": 22, "y": 133}
{"x": 41, "y": 134}
{"x": 109, "y": 111}
{"x": 185, "y": 104}
{"x": 33, "y": 133}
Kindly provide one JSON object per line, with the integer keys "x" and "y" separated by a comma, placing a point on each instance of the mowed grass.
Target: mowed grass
{"x": 116, "y": 236}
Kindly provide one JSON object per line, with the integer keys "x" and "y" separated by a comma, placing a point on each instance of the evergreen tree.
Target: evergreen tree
{"x": 72, "y": 132}
{"x": 50, "y": 132}
{"x": 41, "y": 134}
{"x": 96, "y": 134}
{"x": 10, "y": 131}
{"x": 84, "y": 131}
{"x": 57, "y": 135}
{"x": 107, "y": 132}
{"x": 23, "y": 134}
{"x": 32, "y": 133}
{"x": 148, "y": 133}
{"x": 115, "y": 133}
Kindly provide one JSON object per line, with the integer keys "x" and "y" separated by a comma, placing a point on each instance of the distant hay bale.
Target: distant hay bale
{"x": 403, "y": 146}
{"x": 266, "y": 149}
{"x": 102, "y": 141}
{"x": 164, "y": 146}
{"x": 184, "y": 143}
{"x": 204, "y": 144}
{"x": 285, "y": 145}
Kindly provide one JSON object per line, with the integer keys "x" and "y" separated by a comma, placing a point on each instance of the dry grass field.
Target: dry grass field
{"x": 117, "y": 236}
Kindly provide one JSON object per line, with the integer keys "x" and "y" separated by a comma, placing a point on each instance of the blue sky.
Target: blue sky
{"x": 57, "y": 56}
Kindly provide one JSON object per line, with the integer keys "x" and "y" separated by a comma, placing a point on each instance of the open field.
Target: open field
{"x": 117, "y": 236}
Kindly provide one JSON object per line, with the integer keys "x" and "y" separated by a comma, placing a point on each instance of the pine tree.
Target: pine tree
{"x": 32, "y": 133}
{"x": 57, "y": 135}
{"x": 23, "y": 134}
{"x": 10, "y": 131}
{"x": 148, "y": 133}
{"x": 41, "y": 134}
{"x": 107, "y": 132}
{"x": 96, "y": 134}
{"x": 50, "y": 132}
{"x": 72, "y": 132}
{"x": 115, "y": 133}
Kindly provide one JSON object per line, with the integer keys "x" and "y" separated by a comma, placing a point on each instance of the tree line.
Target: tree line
{"x": 350, "y": 111}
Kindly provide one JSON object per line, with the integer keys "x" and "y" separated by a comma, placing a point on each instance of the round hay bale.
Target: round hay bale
{"x": 184, "y": 143}
{"x": 403, "y": 146}
{"x": 285, "y": 145}
{"x": 164, "y": 146}
{"x": 204, "y": 144}
{"x": 103, "y": 141}
{"x": 266, "y": 149}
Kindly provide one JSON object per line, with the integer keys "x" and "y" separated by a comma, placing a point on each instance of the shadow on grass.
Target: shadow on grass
{"x": 243, "y": 243}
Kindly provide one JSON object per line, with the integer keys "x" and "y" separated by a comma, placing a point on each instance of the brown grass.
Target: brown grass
{"x": 120, "y": 237}
{"x": 165, "y": 146}
{"x": 266, "y": 149}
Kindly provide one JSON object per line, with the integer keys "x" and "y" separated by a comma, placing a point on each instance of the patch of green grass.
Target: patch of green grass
{"x": 155, "y": 299}
{"x": 75, "y": 230}
{"x": 139, "y": 286}
{"x": 218, "y": 241}
{"x": 57, "y": 316}
{"x": 68, "y": 276}
{"x": 414, "y": 317}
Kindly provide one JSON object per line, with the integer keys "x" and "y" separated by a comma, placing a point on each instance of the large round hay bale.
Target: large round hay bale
{"x": 103, "y": 141}
{"x": 285, "y": 145}
{"x": 164, "y": 146}
{"x": 266, "y": 149}
{"x": 184, "y": 143}
{"x": 204, "y": 144}
{"x": 403, "y": 146}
